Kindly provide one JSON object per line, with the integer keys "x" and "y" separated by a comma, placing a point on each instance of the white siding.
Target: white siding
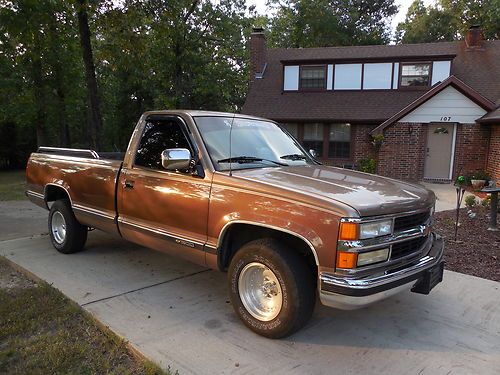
{"x": 449, "y": 105}
{"x": 329, "y": 77}
{"x": 347, "y": 77}
{"x": 440, "y": 71}
{"x": 395, "y": 76}
{"x": 291, "y": 78}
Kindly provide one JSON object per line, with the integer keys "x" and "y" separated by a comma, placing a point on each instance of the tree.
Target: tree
{"x": 94, "y": 116}
{"x": 448, "y": 20}
{"x": 324, "y": 23}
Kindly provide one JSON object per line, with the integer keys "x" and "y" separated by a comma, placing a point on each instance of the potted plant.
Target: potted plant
{"x": 479, "y": 179}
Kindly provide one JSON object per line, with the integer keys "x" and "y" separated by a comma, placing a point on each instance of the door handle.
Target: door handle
{"x": 128, "y": 184}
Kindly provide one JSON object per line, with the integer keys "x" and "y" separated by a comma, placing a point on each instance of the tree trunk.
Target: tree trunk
{"x": 94, "y": 115}
{"x": 41, "y": 138}
{"x": 64, "y": 137}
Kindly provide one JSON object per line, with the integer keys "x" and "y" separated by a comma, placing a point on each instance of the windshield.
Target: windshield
{"x": 254, "y": 144}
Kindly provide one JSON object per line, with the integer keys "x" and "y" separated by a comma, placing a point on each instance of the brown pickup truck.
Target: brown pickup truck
{"x": 239, "y": 194}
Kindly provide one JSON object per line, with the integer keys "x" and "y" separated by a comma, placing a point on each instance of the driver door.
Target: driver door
{"x": 161, "y": 209}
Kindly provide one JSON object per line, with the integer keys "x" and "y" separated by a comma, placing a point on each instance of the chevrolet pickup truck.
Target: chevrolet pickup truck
{"x": 239, "y": 194}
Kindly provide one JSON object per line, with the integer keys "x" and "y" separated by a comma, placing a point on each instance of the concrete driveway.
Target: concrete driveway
{"x": 178, "y": 315}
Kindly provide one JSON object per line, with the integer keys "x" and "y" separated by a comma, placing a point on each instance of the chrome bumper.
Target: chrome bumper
{"x": 354, "y": 293}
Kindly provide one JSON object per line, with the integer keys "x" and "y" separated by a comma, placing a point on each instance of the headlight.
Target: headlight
{"x": 373, "y": 257}
{"x": 375, "y": 229}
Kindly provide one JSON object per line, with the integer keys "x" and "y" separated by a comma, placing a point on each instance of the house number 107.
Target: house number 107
{"x": 446, "y": 118}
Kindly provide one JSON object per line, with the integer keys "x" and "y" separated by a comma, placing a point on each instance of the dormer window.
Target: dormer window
{"x": 313, "y": 77}
{"x": 414, "y": 75}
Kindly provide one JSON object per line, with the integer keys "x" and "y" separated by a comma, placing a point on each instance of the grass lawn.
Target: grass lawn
{"x": 12, "y": 185}
{"x": 42, "y": 332}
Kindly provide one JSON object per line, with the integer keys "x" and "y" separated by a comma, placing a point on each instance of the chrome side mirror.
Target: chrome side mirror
{"x": 176, "y": 158}
{"x": 313, "y": 153}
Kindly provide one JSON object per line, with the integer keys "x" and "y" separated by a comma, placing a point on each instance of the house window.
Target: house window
{"x": 313, "y": 138}
{"x": 377, "y": 76}
{"x": 339, "y": 146}
{"x": 293, "y": 129}
{"x": 414, "y": 75}
{"x": 312, "y": 77}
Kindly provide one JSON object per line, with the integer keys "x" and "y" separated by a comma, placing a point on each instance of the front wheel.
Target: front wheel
{"x": 66, "y": 233}
{"x": 271, "y": 288}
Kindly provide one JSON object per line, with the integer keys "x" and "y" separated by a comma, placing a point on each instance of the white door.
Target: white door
{"x": 440, "y": 150}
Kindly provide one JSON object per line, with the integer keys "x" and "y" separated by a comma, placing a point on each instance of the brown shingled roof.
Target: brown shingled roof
{"x": 479, "y": 69}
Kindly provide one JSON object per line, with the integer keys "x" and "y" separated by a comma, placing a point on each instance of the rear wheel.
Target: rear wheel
{"x": 66, "y": 233}
{"x": 272, "y": 288}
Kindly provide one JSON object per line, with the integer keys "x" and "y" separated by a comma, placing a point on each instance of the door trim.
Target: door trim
{"x": 453, "y": 144}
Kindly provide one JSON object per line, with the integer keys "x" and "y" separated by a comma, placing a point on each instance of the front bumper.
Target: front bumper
{"x": 354, "y": 293}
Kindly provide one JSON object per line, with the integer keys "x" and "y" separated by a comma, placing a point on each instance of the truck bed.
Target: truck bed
{"x": 88, "y": 178}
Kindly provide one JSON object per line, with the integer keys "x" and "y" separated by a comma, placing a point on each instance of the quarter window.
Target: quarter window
{"x": 159, "y": 135}
{"x": 413, "y": 75}
{"x": 339, "y": 146}
{"x": 312, "y": 77}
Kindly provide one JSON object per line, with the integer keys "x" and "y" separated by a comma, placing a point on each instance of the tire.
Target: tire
{"x": 289, "y": 276}
{"x": 66, "y": 233}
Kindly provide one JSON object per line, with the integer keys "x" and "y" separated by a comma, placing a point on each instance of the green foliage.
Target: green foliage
{"x": 148, "y": 55}
{"x": 486, "y": 202}
{"x": 324, "y": 23}
{"x": 368, "y": 165}
{"x": 470, "y": 201}
{"x": 377, "y": 140}
{"x": 448, "y": 20}
{"x": 480, "y": 175}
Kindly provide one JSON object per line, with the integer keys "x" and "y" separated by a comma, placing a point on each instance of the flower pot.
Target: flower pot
{"x": 478, "y": 184}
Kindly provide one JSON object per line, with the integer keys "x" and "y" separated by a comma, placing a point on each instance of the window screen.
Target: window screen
{"x": 312, "y": 77}
{"x": 159, "y": 135}
{"x": 339, "y": 146}
{"x": 415, "y": 75}
{"x": 313, "y": 138}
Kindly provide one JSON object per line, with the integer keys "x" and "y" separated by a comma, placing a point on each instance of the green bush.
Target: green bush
{"x": 486, "y": 202}
{"x": 470, "y": 201}
{"x": 368, "y": 165}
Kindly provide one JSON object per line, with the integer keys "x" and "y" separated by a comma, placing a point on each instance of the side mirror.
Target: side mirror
{"x": 313, "y": 153}
{"x": 176, "y": 158}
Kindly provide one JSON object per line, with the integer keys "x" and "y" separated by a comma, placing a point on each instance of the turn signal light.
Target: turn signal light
{"x": 347, "y": 260}
{"x": 348, "y": 231}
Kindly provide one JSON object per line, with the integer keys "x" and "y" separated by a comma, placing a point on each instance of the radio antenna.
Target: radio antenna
{"x": 230, "y": 144}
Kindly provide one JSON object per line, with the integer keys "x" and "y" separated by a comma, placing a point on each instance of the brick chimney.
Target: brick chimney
{"x": 258, "y": 53}
{"x": 474, "y": 37}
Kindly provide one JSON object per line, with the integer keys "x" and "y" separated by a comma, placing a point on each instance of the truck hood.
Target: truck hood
{"x": 368, "y": 194}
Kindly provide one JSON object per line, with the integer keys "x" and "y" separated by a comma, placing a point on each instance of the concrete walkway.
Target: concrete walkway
{"x": 446, "y": 196}
{"x": 178, "y": 314}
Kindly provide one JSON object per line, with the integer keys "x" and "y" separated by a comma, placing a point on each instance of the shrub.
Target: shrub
{"x": 486, "y": 202}
{"x": 470, "y": 201}
{"x": 368, "y": 165}
{"x": 480, "y": 175}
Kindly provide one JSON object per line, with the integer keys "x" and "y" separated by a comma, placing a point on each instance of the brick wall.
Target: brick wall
{"x": 494, "y": 153}
{"x": 363, "y": 148}
{"x": 403, "y": 151}
{"x": 471, "y": 148}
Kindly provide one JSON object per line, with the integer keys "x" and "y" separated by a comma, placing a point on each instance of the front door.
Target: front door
{"x": 440, "y": 148}
{"x": 160, "y": 209}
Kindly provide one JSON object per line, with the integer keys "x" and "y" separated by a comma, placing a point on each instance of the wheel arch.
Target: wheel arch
{"x": 238, "y": 232}
{"x": 54, "y": 192}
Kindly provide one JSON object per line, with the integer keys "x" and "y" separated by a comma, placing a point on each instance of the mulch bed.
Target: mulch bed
{"x": 477, "y": 250}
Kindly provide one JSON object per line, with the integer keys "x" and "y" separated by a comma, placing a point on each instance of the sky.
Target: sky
{"x": 403, "y": 7}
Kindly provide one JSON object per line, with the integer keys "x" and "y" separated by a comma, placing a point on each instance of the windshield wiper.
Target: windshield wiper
{"x": 293, "y": 157}
{"x": 249, "y": 159}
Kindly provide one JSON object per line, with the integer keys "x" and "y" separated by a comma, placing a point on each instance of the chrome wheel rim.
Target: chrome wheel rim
{"x": 58, "y": 225}
{"x": 260, "y": 291}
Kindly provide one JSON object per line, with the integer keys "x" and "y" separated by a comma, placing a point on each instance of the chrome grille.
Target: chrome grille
{"x": 402, "y": 249}
{"x": 411, "y": 221}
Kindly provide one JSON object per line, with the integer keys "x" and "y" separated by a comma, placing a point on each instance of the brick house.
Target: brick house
{"x": 433, "y": 107}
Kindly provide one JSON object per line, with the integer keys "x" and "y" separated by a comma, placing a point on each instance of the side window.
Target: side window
{"x": 159, "y": 135}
